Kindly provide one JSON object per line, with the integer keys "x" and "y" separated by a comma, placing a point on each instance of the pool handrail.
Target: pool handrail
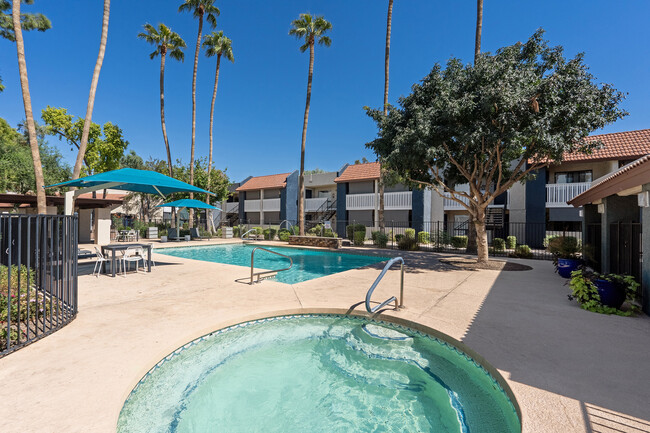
{"x": 289, "y": 225}
{"x": 257, "y": 274}
{"x": 248, "y": 238}
{"x": 390, "y": 263}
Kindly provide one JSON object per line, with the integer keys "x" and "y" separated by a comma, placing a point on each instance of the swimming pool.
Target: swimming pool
{"x": 307, "y": 264}
{"x": 318, "y": 373}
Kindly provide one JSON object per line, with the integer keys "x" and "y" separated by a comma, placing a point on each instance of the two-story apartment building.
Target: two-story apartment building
{"x": 532, "y": 209}
{"x": 358, "y": 200}
{"x": 268, "y": 199}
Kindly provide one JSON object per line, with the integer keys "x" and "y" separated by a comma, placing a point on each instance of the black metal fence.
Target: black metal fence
{"x": 526, "y": 240}
{"x": 38, "y": 277}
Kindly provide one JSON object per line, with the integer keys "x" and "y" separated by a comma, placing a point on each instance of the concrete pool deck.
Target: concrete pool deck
{"x": 570, "y": 370}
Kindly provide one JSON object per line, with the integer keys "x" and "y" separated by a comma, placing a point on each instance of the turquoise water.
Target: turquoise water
{"x": 307, "y": 264}
{"x": 318, "y": 373}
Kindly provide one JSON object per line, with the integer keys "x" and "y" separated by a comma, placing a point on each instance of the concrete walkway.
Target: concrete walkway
{"x": 571, "y": 370}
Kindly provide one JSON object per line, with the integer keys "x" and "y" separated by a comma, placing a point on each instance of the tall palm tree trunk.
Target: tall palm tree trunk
{"x": 163, "y": 56}
{"x": 214, "y": 98}
{"x": 472, "y": 241}
{"x": 162, "y": 111}
{"x": 27, "y": 102}
{"x": 479, "y": 28}
{"x": 196, "y": 67}
{"x": 83, "y": 144}
{"x": 389, "y": 20}
{"x": 301, "y": 180}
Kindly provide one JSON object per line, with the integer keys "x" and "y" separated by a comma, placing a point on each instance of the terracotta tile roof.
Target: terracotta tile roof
{"x": 265, "y": 182}
{"x": 356, "y": 172}
{"x": 617, "y": 145}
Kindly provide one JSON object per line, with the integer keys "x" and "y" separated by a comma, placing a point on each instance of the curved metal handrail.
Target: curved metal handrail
{"x": 289, "y": 225}
{"x": 390, "y": 263}
{"x": 248, "y": 238}
{"x": 257, "y": 274}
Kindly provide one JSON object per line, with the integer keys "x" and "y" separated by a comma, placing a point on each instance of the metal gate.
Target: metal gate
{"x": 625, "y": 249}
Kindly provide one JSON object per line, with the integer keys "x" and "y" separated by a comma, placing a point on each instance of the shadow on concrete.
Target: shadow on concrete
{"x": 86, "y": 268}
{"x": 527, "y": 327}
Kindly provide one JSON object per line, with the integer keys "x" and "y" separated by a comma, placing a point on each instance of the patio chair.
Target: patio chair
{"x": 99, "y": 261}
{"x": 134, "y": 254}
{"x": 172, "y": 234}
{"x": 194, "y": 234}
{"x": 132, "y": 236}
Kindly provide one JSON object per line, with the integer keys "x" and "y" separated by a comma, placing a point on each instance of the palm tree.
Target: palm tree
{"x": 472, "y": 246}
{"x": 389, "y": 21}
{"x": 17, "y": 35}
{"x": 479, "y": 28}
{"x": 166, "y": 42}
{"x": 215, "y": 44}
{"x": 312, "y": 30}
{"x": 83, "y": 144}
{"x": 199, "y": 9}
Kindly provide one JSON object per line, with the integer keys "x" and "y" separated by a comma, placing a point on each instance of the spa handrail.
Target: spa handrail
{"x": 257, "y": 274}
{"x": 248, "y": 238}
{"x": 390, "y": 263}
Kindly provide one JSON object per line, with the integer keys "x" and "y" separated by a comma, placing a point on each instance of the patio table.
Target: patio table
{"x": 122, "y": 247}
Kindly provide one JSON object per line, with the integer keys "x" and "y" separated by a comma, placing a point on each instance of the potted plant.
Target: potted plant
{"x": 565, "y": 250}
{"x": 603, "y": 293}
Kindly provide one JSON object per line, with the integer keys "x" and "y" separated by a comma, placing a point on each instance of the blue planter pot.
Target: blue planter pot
{"x": 566, "y": 266}
{"x": 609, "y": 294}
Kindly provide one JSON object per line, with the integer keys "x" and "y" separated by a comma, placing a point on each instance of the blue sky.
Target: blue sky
{"x": 260, "y": 102}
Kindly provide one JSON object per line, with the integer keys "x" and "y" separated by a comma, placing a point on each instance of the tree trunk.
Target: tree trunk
{"x": 301, "y": 180}
{"x": 214, "y": 98}
{"x": 479, "y": 29}
{"x": 29, "y": 116}
{"x": 386, "y": 70}
{"x": 170, "y": 169}
{"x": 83, "y": 144}
{"x": 196, "y": 67}
{"x": 481, "y": 238}
{"x": 471, "y": 233}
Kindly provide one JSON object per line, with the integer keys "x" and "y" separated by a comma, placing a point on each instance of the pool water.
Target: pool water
{"x": 307, "y": 264}
{"x": 318, "y": 373}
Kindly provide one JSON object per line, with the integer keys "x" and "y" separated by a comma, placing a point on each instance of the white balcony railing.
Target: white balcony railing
{"x": 313, "y": 204}
{"x": 557, "y": 194}
{"x": 231, "y": 206}
{"x": 402, "y": 200}
{"x": 268, "y": 205}
{"x": 252, "y": 205}
{"x": 449, "y": 204}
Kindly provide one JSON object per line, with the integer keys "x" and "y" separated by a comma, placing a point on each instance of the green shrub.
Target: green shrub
{"x": 566, "y": 247}
{"x": 374, "y": 234}
{"x": 162, "y": 232}
{"x": 353, "y": 228}
{"x": 424, "y": 237}
{"x": 283, "y": 235}
{"x": 399, "y": 237}
{"x": 381, "y": 240}
{"x": 407, "y": 243}
{"x": 409, "y": 233}
{"x": 235, "y": 231}
{"x": 258, "y": 230}
{"x": 522, "y": 251}
{"x": 359, "y": 238}
{"x": 441, "y": 237}
{"x": 269, "y": 234}
{"x": 548, "y": 239}
{"x": 511, "y": 242}
{"x": 498, "y": 244}
{"x": 316, "y": 230}
{"x": 329, "y": 233}
{"x": 459, "y": 241}
{"x": 219, "y": 233}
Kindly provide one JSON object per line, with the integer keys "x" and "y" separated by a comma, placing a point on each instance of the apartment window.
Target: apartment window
{"x": 573, "y": 176}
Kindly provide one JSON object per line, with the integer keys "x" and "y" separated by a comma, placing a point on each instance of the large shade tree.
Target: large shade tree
{"x": 494, "y": 123}
{"x": 200, "y": 9}
{"x": 83, "y": 142}
{"x": 312, "y": 31}
{"x": 169, "y": 43}
{"x": 11, "y": 28}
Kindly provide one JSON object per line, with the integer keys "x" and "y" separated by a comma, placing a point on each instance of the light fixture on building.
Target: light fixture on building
{"x": 643, "y": 199}
{"x": 601, "y": 208}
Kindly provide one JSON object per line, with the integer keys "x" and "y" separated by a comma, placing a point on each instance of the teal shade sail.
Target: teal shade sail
{"x": 189, "y": 203}
{"x": 131, "y": 179}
